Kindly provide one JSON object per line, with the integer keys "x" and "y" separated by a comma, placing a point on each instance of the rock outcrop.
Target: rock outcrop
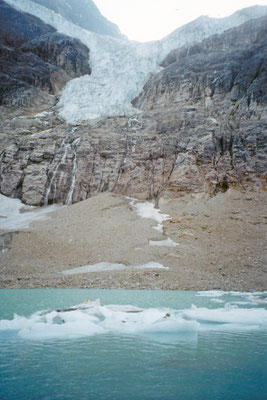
{"x": 201, "y": 128}
{"x": 216, "y": 90}
{"x": 35, "y": 60}
{"x": 83, "y": 13}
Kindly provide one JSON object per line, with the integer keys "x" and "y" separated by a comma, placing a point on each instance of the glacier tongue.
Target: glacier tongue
{"x": 120, "y": 68}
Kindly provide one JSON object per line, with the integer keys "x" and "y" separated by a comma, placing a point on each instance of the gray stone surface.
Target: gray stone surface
{"x": 83, "y": 13}
{"x": 201, "y": 128}
{"x": 35, "y": 61}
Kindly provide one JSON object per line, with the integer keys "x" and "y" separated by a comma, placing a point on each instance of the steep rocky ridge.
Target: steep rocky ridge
{"x": 120, "y": 68}
{"x": 219, "y": 86}
{"x": 35, "y": 60}
{"x": 201, "y": 128}
{"x": 231, "y": 64}
{"x": 83, "y": 13}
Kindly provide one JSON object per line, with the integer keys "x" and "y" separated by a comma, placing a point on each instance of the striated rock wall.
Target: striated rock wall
{"x": 47, "y": 161}
{"x": 201, "y": 128}
{"x": 218, "y": 88}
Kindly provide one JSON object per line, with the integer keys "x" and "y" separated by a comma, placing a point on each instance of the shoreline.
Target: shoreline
{"x": 220, "y": 245}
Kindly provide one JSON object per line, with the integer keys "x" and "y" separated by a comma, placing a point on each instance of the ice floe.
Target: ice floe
{"x": 90, "y": 318}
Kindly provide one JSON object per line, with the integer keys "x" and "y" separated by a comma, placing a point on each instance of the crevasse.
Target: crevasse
{"x": 120, "y": 68}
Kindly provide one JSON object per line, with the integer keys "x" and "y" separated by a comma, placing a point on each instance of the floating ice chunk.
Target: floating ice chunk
{"x": 69, "y": 330}
{"x": 15, "y": 215}
{"x": 214, "y": 300}
{"x": 105, "y": 266}
{"x": 90, "y": 318}
{"x": 228, "y": 315}
{"x": 211, "y": 293}
{"x": 17, "y": 323}
{"x": 167, "y": 243}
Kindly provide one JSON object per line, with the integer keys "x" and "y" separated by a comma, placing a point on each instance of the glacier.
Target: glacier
{"x": 120, "y": 68}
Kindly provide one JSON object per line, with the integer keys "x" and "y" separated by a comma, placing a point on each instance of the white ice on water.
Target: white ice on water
{"x": 120, "y": 67}
{"x": 247, "y": 298}
{"x": 90, "y": 318}
{"x": 15, "y": 215}
{"x": 228, "y": 315}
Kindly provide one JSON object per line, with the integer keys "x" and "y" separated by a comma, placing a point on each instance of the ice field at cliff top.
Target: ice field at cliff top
{"x": 120, "y": 68}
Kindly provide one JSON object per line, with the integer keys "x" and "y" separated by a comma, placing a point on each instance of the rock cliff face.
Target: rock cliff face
{"x": 83, "y": 13}
{"x": 35, "y": 60}
{"x": 201, "y": 128}
{"x": 219, "y": 86}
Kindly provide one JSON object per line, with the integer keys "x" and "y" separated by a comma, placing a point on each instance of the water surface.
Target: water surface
{"x": 210, "y": 346}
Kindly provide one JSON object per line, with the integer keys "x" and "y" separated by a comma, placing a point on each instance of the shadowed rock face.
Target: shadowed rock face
{"x": 35, "y": 60}
{"x": 83, "y": 13}
{"x": 215, "y": 92}
{"x": 17, "y": 27}
{"x": 233, "y": 64}
{"x": 201, "y": 128}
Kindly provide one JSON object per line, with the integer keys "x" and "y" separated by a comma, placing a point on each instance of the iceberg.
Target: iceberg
{"x": 91, "y": 318}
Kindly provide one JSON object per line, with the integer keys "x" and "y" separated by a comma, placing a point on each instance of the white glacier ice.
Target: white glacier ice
{"x": 120, "y": 67}
{"x": 90, "y": 318}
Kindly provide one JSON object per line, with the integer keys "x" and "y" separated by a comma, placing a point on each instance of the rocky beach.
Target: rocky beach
{"x": 220, "y": 245}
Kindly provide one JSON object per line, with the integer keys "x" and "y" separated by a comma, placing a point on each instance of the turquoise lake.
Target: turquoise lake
{"x": 55, "y": 344}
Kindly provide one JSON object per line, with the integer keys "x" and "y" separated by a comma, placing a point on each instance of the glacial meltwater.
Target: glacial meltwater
{"x": 118, "y": 344}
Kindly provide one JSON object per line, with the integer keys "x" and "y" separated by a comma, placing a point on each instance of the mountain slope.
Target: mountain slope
{"x": 201, "y": 127}
{"x": 83, "y": 13}
{"x": 120, "y": 68}
{"x": 232, "y": 64}
{"x": 35, "y": 60}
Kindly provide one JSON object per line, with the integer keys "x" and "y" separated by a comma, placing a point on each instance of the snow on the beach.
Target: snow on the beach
{"x": 105, "y": 266}
{"x": 15, "y": 215}
{"x": 167, "y": 243}
{"x": 148, "y": 210}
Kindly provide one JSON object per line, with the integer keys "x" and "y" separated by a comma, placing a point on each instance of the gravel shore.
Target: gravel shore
{"x": 220, "y": 245}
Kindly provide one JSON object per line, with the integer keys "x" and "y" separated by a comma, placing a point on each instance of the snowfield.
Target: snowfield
{"x": 120, "y": 68}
